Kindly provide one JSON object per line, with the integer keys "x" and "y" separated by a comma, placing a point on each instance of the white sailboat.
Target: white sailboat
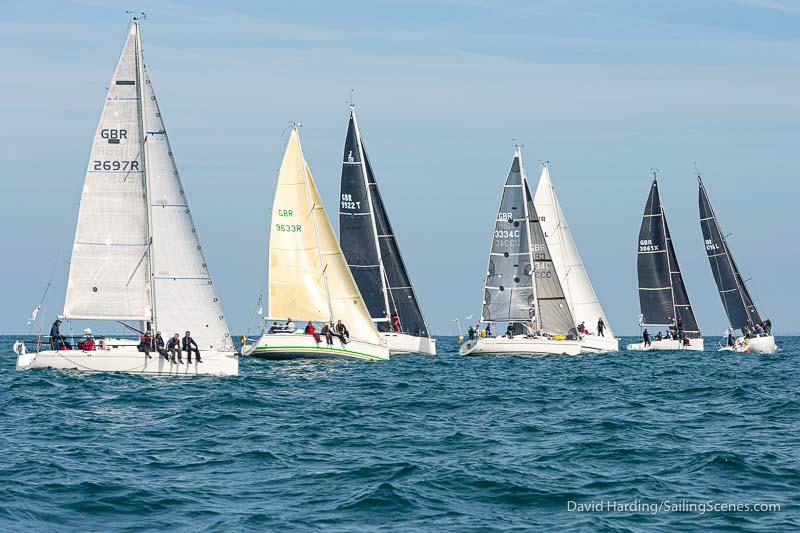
{"x": 578, "y": 290}
{"x": 136, "y": 255}
{"x": 522, "y": 288}
{"x": 309, "y": 279}
{"x": 373, "y": 254}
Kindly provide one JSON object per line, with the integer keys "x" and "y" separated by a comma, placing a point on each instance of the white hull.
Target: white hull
{"x": 402, "y": 343}
{"x": 282, "y": 346}
{"x": 519, "y": 345}
{"x": 598, "y": 344}
{"x": 667, "y": 344}
{"x": 765, "y": 344}
{"x": 126, "y": 358}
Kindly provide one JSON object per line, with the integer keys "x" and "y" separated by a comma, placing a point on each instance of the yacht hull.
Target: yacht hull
{"x": 519, "y": 346}
{"x": 667, "y": 344}
{"x": 402, "y": 343}
{"x": 599, "y": 344}
{"x": 285, "y": 346}
{"x": 765, "y": 344}
{"x": 126, "y": 358}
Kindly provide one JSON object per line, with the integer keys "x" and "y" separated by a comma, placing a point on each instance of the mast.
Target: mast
{"x": 143, "y": 133}
{"x": 322, "y": 261}
{"x": 525, "y": 195}
{"x": 381, "y": 267}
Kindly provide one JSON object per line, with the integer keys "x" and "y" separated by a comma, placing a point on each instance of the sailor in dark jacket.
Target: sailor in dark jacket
{"x": 159, "y": 342}
{"x": 56, "y": 339}
{"x": 174, "y": 349}
{"x": 342, "y": 332}
{"x": 190, "y": 346}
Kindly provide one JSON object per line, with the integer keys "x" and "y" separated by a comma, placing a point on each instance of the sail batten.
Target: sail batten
{"x": 370, "y": 244}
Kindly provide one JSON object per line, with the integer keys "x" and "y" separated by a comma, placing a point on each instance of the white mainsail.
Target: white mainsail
{"x": 184, "y": 292}
{"x": 567, "y": 261}
{"x": 131, "y": 260}
{"x": 109, "y": 276}
{"x": 308, "y": 276}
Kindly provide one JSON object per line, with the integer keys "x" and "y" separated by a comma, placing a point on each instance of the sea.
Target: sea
{"x": 628, "y": 441}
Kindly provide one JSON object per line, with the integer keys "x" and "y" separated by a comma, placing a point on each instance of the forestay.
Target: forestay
{"x": 736, "y": 298}
{"x": 109, "y": 275}
{"x": 370, "y": 245}
{"x": 567, "y": 261}
{"x": 308, "y": 276}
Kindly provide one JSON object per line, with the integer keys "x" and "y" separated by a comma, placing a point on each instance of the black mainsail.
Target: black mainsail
{"x": 521, "y": 282}
{"x": 369, "y": 243}
{"x": 663, "y": 299}
{"x": 736, "y": 299}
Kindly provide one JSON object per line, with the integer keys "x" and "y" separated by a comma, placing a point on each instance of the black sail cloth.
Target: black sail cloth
{"x": 735, "y": 297}
{"x": 663, "y": 299}
{"x": 369, "y": 243}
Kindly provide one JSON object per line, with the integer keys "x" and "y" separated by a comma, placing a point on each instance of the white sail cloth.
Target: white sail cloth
{"x": 569, "y": 266}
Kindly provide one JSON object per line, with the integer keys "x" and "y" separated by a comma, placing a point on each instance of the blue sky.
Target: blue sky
{"x": 604, "y": 90}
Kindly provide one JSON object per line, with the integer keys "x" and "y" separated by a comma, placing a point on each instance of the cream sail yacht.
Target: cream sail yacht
{"x": 136, "y": 257}
{"x": 571, "y": 272}
{"x": 522, "y": 288}
{"x": 309, "y": 280}
{"x": 370, "y": 247}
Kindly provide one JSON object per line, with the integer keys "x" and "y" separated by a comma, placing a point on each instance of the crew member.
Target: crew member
{"x": 190, "y": 346}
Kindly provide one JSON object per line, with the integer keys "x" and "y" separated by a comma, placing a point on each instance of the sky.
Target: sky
{"x": 604, "y": 90}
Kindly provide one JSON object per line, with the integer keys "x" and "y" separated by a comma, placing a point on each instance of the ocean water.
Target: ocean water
{"x": 417, "y": 443}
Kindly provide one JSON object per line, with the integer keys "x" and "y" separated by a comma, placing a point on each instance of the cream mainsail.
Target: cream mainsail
{"x": 308, "y": 276}
{"x": 567, "y": 261}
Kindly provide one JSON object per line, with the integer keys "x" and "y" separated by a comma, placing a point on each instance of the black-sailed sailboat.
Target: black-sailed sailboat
{"x": 739, "y": 306}
{"x": 373, "y": 255}
{"x": 663, "y": 299}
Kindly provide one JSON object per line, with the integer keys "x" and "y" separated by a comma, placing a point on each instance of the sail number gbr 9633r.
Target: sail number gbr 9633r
{"x": 289, "y": 228}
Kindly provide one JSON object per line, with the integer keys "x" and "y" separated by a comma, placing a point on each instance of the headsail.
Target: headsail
{"x": 518, "y": 256}
{"x": 578, "y": 289}
{"x": 662, "y": 294}
{"x": 308, "y": 276}
{"x": 185, "y": 295}
{"x": 369, "y": 243}
{"x": 109, "y": 275}
{"x": 736, "y": 298}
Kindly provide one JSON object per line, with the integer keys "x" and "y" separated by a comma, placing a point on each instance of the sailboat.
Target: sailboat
{"x": 522, "y": 288}
{"x": 309, "y": 279}
{"x": 373, "y": 255}
{"x": 739, "y": 305}
{"x": 663, "y": 299}
{"x": 578, "y": 290}
{"x": 136, "y": 256}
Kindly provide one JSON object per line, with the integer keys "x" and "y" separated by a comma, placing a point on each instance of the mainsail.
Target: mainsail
{"x": 109, "y": 276}
{"x": 308, "y": 276}
{"x": 369, "y": 243}
{"x": 567, "y": 261}
{"x": 521, "y": 283}
{"x": 662, "y": 294}
{"x": 736, "y": 298}
{"x": 137, "y": 255}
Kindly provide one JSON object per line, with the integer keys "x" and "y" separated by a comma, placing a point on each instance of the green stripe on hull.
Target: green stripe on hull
{"x": 337, "y": 351}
